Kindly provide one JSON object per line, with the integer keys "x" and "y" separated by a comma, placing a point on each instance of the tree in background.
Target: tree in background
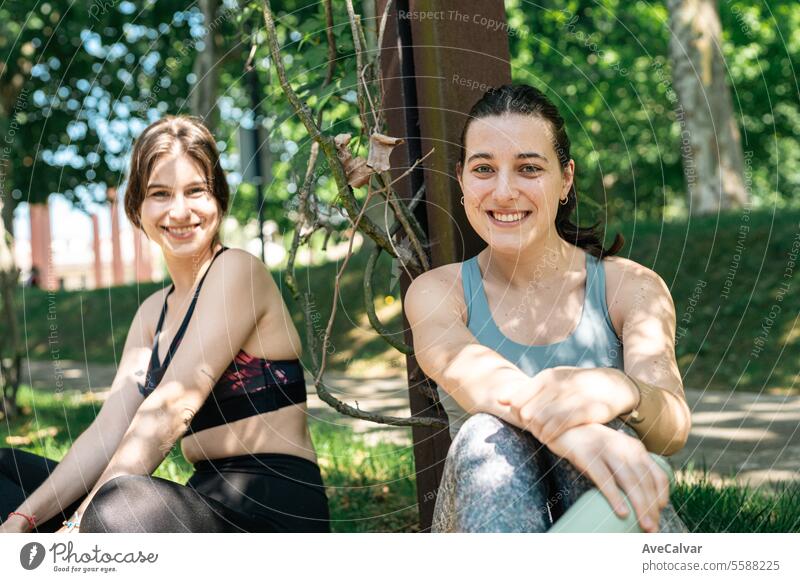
{"x": 76, "y": 86}
{"x": 608, "y": 67}
{"x": 711, "y": 144}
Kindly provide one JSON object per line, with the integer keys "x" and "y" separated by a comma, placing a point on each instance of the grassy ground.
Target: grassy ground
{"x": 369, "y": 487}
{"x": 92, "y": 325}
{"x": 725, "y": 275}
{"x": 372, "y": 487}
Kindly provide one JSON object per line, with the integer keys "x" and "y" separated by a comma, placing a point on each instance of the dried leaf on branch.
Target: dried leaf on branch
{"x": 358, "y": 169}
{"x": 380, "y": 148}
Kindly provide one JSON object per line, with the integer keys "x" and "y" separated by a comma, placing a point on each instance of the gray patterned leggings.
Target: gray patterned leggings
{"x": 498, "y": 478}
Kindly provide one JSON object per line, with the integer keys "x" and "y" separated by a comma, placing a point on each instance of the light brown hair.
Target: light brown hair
{"x": 171, "y": 134}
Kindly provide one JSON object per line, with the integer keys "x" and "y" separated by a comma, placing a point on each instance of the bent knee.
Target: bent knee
{"x": 112, "y": 500}
{"x": 483, "y": 425}
{"x": 480, "y": 423}
{"x": 483, "y": 436}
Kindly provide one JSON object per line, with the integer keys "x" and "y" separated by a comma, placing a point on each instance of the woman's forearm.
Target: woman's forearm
{"x": 74, "y": 475}
{"x": 154, "y": 430}
{"x": 473, "y": 376}
{"x": 665, "y": 419}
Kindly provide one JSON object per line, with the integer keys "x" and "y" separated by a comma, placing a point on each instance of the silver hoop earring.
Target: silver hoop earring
{"x": 564, "y": 201}
{"x": 462, "y": 201}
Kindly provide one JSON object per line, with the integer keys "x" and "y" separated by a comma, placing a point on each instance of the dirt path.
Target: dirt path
{"x": 752, "y": 438}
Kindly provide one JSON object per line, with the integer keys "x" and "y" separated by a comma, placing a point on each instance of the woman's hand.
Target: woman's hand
{"x": 74, "y": 519}
{"x": 557, "y": 399}
{"x": 614, "y": 460}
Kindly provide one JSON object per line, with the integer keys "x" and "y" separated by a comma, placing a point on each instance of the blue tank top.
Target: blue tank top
{"x": 593, "y": 344}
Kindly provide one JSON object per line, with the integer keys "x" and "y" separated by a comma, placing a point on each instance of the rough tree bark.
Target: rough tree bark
{"x": 203, "y": 99}
{"x": 710, "y": 141}
{"x": 10, "y": 349}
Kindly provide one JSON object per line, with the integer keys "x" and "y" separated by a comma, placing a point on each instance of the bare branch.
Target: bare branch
{"x": 302, "y": 110}
{"x": 311, "y": 218}
{"x": 332, "y": 56}
{"x": 369, "y": 304}
{"x": 359, "y": 49}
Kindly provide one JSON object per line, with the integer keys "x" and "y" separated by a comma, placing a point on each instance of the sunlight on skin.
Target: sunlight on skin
{"x": 496, "y": 178}
{"x": 177, "y": 198}
{"x": 513, "y": 182}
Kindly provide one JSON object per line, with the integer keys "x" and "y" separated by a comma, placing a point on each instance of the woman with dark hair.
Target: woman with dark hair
{"x": 554, "y": 358}
{"x": 213, "y": 360}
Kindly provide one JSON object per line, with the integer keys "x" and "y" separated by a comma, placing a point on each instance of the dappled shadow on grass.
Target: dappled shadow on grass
{"x": 370, "y": 487}
{"x": 353, "y": 340}
{"x": 710, "y": 507}
{"x": 80, "y": 325}
{"x": 725, "y": 274}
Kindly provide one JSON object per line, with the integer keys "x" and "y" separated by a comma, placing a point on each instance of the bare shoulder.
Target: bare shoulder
{"x": 240, "y": 268}
{"x": 246, "y": 279}
{"x": 436, "y": 290}
{"x": 149, "y": 310}
{"x": 241, "y": 260}
{"x": 631, "y": 286}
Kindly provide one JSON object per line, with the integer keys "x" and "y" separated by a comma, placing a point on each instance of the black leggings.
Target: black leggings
{"x": 262, "y": 492}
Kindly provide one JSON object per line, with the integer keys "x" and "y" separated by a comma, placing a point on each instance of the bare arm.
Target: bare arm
{"x": 648, "y": 335}
{"x": 235, "y": 296}
{"x": 557, "y": 399}
{"x": 479, "y": 378}
{"x": 80, "y": 468}
{"x": 448, "y": 353}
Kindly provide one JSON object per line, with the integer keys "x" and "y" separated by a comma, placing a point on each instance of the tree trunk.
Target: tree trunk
{"x": 711, "y": 146}
{"x": 10, "y": 348}
{"x": 420, "y": 59}
{"x": 203, "y": 99}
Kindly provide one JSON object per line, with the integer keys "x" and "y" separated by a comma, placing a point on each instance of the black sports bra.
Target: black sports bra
{"x": 249, "y": 385}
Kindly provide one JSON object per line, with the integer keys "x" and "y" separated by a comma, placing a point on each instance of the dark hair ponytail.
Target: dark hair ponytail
{"x": 527, "y": 100}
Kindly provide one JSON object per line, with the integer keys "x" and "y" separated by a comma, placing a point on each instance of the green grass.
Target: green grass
{"x": 91, "y": 325}
{"x": 706, "y": 506}
{"x": 716, "y": 334}
{"x": 371, "y": 487}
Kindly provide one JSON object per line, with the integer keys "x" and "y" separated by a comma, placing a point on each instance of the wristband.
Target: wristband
{"x": 31, "y": 518}
{"x": 633, "y": 416}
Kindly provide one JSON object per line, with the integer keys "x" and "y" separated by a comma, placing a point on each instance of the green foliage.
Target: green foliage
{"x": 79, "y": 85}
{"x": 718, "y": 324}
{"x": 606, "y": 66}
{"x": 303, "y": 40}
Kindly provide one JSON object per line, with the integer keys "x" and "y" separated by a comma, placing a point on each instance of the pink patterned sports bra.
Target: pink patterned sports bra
{"x": 248, "y": 386}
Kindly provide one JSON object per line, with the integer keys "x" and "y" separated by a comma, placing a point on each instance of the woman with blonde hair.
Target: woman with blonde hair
{"x": 212, "y": 360}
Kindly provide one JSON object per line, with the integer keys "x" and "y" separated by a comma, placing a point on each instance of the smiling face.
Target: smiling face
{"x": 512, "y": 181}
{"x": 179, "y": 211}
